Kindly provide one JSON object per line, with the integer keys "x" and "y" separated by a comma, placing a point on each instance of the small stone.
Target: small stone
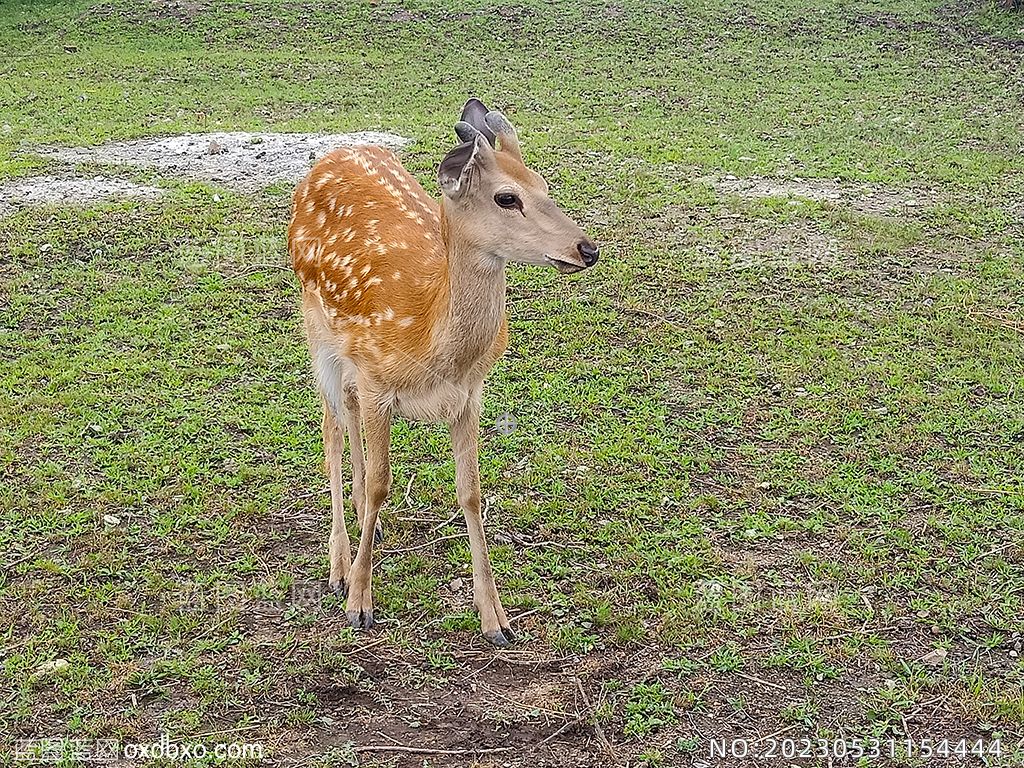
{"x": 50, "y": 668}
{"x": 111, "y": 520}
{"x": 456, "y": 585}
{"x": 216, "y": 198}
{"x": 936, "y": 630}
{"x": 215, "y": 148}
{"x": 934, "y": 658}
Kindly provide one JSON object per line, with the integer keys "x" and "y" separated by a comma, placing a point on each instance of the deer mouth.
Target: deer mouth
{"x": 564, "y": 266}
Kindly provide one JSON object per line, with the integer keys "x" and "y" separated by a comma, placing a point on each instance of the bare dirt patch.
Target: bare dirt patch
{"x": 797, "y": 245}
{"x": 45, "y": 190}
{"x": 243, "y": 161}
{"x": 180, "y": 10}
{"x": 239, "y": 160}
{"x": 863, "y": 198}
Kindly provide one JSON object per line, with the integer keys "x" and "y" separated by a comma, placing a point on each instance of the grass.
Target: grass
{"x": 766, "y": 457}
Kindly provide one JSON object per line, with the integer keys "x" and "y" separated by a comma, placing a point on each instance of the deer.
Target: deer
{"x": 403, "y": 306}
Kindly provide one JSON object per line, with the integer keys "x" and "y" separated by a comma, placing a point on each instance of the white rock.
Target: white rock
{"x": 50, "y": 668}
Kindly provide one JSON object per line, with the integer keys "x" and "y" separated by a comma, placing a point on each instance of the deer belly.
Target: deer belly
{"x": 441, "y": 403}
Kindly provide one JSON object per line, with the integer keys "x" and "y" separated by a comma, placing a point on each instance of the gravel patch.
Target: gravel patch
{"x": 864, "y": 198}
{"x": 243, "y": 161}
{"x": 796, "y": 245}
{"x": 45, "y": 190}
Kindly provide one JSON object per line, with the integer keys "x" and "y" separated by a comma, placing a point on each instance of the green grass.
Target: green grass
{"x": 746, "y": 491}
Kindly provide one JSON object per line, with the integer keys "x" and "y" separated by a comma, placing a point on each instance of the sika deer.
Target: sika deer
{"x": 404, "y": 308}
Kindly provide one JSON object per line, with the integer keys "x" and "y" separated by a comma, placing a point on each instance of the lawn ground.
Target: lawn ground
{"x": 765, "y": 479}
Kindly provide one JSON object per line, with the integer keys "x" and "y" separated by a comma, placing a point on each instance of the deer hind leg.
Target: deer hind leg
{"x": 329, "y": 376}
{"x": 465, "y": 434}
{"x": 377, "y": 424}
{"x": 353, "y": 420}
{"x": 339, "y": 552}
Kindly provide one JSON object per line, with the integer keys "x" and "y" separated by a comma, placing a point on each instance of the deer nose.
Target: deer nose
{"x": 588, "y": 251}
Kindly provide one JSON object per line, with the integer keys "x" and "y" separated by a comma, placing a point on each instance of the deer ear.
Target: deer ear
{"x": 475, "y": 113}
{"x": 455, "y": 173}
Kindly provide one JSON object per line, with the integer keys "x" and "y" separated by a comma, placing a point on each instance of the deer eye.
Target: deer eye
{"x": 508, "y": 200}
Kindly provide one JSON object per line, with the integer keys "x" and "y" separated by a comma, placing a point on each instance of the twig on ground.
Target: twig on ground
{"x": 525, "y": 707}
{"x": 852, "y": 632}
{"x": 507, "y": 657}
{"x": 566, "y": 726}
{"x": 781, "y": 731}
{"x": 524, "y": 614}
{"x": 753, "y": 679}
{"x": 598, "y": 730}
{"x": 426, "y": 544}
{"x": 522, "y": 542}
{"x": 998, "y": 319}
{"x": 19, "y": 561}
{"x": 990, "y": 491}
{"x": 408, "y": 488}
{"x": 252, "y": 268}
{"x": 638, "y": 311}
{"x": 1002, "y": 548}
{"x": 430, "y": 750}
{"x": 207, "y": 734}
{"x": 478, "y": 670}
{"x": 449, "y": 521}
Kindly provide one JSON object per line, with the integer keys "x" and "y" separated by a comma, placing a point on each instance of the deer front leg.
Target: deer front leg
{"x": 465, "y": 434}
{"x": 339, "y": 553}
{"x": 377, "y": 426}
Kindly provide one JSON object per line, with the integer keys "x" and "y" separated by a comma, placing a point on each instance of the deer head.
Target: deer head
{"x": 494, "y": 203}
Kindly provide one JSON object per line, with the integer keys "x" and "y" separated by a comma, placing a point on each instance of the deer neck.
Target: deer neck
{"x": 472, "y": 304}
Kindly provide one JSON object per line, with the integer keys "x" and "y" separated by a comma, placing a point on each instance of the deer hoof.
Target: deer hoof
{"x": 378, "y": 534}
{"x": 340, "y": 587}
{"x": 501, "y": 637}
{"x": 361, "y": 619}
